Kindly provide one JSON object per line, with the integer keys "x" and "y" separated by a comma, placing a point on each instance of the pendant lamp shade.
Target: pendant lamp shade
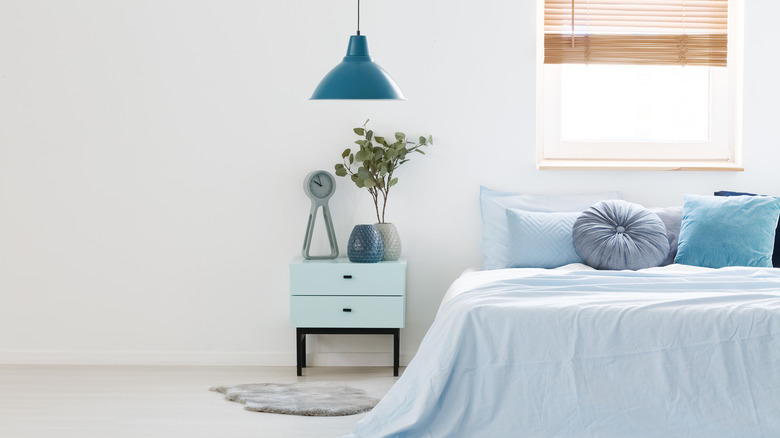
{"x": 357, "y": 77}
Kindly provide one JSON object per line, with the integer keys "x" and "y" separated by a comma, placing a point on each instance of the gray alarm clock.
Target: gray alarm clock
{"x": 319, "y": 186}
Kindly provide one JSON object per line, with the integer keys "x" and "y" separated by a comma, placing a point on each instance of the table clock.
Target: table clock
{"x": 319, "y": 186}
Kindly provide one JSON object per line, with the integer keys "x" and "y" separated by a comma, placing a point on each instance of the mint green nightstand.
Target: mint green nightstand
{"x": 340, "y": 297}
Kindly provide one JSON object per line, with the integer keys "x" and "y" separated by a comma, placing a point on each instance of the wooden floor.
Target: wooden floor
{"x": 162, "y": 401}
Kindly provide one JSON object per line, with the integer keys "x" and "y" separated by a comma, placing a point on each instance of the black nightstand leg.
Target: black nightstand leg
{"x": 396, "y": 344}
{"x": 300, "y": 349}
{"x": 303, "y": 350}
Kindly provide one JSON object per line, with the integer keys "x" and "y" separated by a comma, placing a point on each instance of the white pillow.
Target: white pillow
{"x": 495, "y": 234}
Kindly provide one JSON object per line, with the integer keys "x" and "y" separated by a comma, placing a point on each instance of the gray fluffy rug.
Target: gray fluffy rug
{"x": 310, "y": 399}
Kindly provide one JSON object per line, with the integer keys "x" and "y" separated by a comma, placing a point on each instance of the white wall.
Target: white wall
{"x": 152, "y": 154}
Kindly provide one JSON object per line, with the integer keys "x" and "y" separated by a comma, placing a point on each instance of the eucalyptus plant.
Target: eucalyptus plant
{"x": 376, "y": 161}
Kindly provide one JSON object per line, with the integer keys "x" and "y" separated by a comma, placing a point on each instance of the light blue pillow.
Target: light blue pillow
{"x": 540, "y": 240}
{"x": 718, "y": 231}
{"x": 493, "y": 203}
{"x": 620, "y": 235}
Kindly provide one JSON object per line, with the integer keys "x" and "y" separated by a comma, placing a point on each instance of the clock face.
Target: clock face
{"x": 320, "y": 184}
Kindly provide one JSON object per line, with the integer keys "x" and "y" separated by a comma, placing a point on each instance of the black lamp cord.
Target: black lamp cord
{"x": 358, "y": 28}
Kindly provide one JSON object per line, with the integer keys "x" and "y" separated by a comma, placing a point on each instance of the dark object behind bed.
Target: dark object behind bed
{"x": 776, "y": 251}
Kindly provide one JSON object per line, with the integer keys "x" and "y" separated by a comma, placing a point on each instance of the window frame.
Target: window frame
{"x": 722, "y": 152}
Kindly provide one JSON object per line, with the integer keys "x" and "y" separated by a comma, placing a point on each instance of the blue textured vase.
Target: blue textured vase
{"x": 365, "y": 245}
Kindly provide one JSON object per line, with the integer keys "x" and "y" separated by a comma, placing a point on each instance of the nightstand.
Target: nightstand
{"x": 339, "y": 297}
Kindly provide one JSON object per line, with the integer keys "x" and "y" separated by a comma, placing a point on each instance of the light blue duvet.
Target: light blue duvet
{"x": 607, "y": 354}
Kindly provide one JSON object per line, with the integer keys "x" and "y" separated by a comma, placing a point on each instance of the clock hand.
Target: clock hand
{"x": 318, "y": 181}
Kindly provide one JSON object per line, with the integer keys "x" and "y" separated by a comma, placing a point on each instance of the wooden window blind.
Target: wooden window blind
{"x": 655, "y": 32}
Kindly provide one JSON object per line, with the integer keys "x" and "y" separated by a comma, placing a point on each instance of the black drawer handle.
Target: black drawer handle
{"x": 347, "y": 277}
{"x": 346, "y": 309}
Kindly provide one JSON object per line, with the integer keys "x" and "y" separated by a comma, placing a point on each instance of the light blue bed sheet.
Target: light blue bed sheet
{"x": 596, "y": 354}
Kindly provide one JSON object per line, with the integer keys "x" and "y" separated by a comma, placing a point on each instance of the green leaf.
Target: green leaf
{"x": 341, "y": 172}
{"x": 393, "y": 182}
{"x": 359, "y": 131}
{"x": 339, "y": 166}
{"x": 400, "y": 136}
{"x": 346, "y": 153}
{"x": 363, "y": 173}
{"x": 380, "y": 140}
{"x": 365, "y": 155}
{"x": 430, "y": 139}
{"x": 380, "y": 183}
{"x": 368, "y": 183}
{"x": 362, "y": 143}
{"x": 418, "y": 150}
{"x": 369, "y": 134}
{"x": 351, "y": 159}
{"x": 422, "y": 140}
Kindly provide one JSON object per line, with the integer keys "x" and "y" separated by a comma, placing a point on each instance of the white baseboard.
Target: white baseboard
{"x": 145, "y": 358}
{"x": 202, "y": 358}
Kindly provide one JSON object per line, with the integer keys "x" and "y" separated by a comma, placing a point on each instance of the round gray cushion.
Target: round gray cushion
{"x": 616, "y": 234}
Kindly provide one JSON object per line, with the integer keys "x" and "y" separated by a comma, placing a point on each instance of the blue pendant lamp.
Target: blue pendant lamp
{"x": 357, "y": 76}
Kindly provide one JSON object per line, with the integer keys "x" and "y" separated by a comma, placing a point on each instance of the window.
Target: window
{"x": 645, "y": 84}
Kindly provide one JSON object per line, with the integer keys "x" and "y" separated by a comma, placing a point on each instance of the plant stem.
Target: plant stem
{"x": 386, "y": 192}
{"x": 384, "y": 206}
{"x": 375, "y": 194}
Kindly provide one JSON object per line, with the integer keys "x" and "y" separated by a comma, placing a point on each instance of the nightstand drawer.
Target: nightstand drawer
{"x": 347, "y": 311}
{"x": 343, "y": 278}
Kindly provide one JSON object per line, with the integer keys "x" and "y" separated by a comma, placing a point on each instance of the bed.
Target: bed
{"x": 676, "y": 350}
{"x": 664, "y": 352}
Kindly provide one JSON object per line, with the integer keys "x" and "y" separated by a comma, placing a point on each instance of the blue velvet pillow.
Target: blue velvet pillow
{"x": 776, "y": 248}
{"x": 620, "y": 235}
{"x": 540, "y": 240}
{"x": 718, "y": 231}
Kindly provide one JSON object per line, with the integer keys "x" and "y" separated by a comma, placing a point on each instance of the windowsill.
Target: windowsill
{"x": 560, "y": 164}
